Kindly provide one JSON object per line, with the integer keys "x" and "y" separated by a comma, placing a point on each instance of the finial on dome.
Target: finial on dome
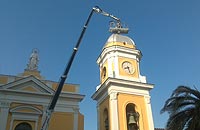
{"x": 33, "y": 60}
{"x": 116, "y": 27}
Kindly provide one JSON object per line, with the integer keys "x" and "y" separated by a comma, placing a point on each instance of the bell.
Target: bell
{"x": 132, "y": 119}
{"x": 106, "y": 124}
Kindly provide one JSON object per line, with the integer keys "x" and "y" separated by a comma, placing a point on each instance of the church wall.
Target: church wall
{"x": 66, "y": 87}
{"x": 104, "y": 105}
{"x": 25, "y": 98}
{"x": 61, "y": 121}
{"x": 35, "y": 73}
{"x": 80, "y": 121}
{"x": 69, "y": 88}
{"x": 3, "y": 80}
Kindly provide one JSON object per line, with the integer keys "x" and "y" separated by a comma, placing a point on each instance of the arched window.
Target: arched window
{"x": 132, "y": 117}
{"x": 105, "y": 118}
{"x": 23, "y": 126}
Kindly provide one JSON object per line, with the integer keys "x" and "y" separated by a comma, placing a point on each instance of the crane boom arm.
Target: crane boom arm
{"x": 98, "y": 10}
{"x": 55, "y": 97}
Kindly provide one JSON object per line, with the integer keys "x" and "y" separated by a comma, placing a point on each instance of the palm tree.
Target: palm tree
{"x": 184, "y": 109}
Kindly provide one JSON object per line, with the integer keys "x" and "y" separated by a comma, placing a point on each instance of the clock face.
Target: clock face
{"x": 128, "y": 67}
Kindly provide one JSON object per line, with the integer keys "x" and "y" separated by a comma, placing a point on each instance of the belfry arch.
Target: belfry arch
{"x": 132, "y": 117}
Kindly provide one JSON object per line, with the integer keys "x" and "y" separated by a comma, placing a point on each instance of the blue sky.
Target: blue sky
{"x": 167, "y": 32}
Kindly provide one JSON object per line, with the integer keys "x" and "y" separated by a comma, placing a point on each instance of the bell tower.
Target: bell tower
{"x": 123, "y": 98}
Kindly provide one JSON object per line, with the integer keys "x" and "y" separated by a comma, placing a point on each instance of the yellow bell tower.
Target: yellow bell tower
{"x": 123, "y": 99}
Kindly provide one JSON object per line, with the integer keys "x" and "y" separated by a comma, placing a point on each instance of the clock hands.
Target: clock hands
{"x": 127, "y": 68}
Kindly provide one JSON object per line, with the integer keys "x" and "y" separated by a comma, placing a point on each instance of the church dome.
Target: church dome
{"x": 120, "y": 40}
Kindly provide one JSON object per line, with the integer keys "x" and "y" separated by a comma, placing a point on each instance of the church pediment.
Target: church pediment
{"x": 26, "y": 109}
{"x": 28, "y": 84}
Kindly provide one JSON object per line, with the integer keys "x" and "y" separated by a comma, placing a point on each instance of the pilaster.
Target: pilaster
{"x": 98, "y": 116}
{"x": 149, "y": 112}
{"x": 76, "y": 112}
{"x": 4, "y": 106}
{"x": 114, "y": 111}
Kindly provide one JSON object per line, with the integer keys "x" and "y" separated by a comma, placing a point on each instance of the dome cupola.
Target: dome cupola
{"x": 120, "y": 40}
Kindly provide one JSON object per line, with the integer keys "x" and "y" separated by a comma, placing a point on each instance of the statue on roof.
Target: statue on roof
{"x": 33, "y": 60}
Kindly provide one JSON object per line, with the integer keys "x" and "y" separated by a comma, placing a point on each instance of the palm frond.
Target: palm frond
{"x": 177, "y": 121}
{"x": 183, "y": 107}
{"x": 178, "y": 103}
{"x": 184, "y": 90}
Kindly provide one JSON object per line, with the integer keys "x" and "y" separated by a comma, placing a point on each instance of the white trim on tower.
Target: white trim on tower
{"x": 114, "y": 111}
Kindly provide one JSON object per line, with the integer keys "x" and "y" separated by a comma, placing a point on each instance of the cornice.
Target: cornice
{"x": 120, "y": 83}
